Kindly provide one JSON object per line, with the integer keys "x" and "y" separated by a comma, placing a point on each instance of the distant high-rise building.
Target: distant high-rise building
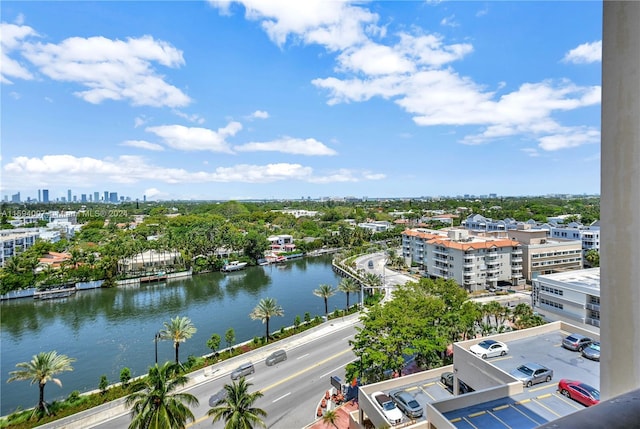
{"x": 96, "y": 197}
{"x": 144, "y": 198}
{"x": 69, "y": 195}
{"x": 83, "y": 198}
{"x": 39, "y": 196}
{"x": 45, "y": 195}
{"x": 75, "y": 198}
{"x": 113, "y": 197}
{"x": 106, "y": 196}
{"x": 15, "y": 198}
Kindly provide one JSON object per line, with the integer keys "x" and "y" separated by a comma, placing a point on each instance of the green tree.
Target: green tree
{"x": 230, "y": 338}
{"x": 325, "y": 292}
{"x": 178, "y": 330}
{"x": 265, "y": 310}
{"x": 237, "y": 408}
{"x": 593, "y": 258}
{"x": 42, "y": 369}
{"x": 214, "y": 342}
{"x": 296, "y": 322}
{"x": 330, "y": 417}
{"x": 348, "y": 285}
{"x": 155, "y": 403}
{"x": 125, "y": 376}
{"x": 104, "y": 384}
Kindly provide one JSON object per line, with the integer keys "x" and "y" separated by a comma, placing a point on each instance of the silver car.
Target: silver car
{"x": 592, "y": 351}
{"x": 407, "y": 403}
{"x": 242, "y": 370}
{"x": 532, "y": 373}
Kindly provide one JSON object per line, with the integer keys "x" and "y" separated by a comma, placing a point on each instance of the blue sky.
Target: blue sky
{"x": 291, "y": 99}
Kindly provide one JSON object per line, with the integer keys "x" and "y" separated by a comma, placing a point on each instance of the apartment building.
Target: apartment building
{"x": 474, "y": 262}
{"x": 573, "y": 296}
{"x": 15, "y": 241}
{"x": 589, "y": 235}
{"x": 543, "y": 255}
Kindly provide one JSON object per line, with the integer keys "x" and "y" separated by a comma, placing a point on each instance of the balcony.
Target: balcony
{"x": 437, "y": 257}
{"x": 594, "y": 307}
{"x": 440, "y": 251}
{"x": 518, "y": 259}
{"x": 594, "y": 322}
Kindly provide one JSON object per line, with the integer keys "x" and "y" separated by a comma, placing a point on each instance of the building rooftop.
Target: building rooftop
{"x": 589, "y": 278}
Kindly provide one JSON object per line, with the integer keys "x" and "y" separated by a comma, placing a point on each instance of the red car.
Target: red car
{"x": 579, "y": 391}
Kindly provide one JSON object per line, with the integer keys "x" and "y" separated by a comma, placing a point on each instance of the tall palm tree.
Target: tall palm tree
{"x": 265, "y": 310}
{"x": 42, "y": 369}
{"x": 325, "y": 291}
{"x": 330, "y": 417}
{"x": 179, "y": 330}
{"x": 155, "y": 404}
{"x": 348, "y": 285}
{"x": 237, "y": 408}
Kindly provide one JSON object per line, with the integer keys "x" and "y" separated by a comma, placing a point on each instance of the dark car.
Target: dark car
{"x": 275, "y": 357}
{"x": 576, "y": 342}
{"x": 447, "y": 379}
{"x": 592, "y": 351}
{"x": 532, "y": 373}
{"x": 218, "y": 397}
{"x": 407, "y": 403}
{"x": 585, "y": 394}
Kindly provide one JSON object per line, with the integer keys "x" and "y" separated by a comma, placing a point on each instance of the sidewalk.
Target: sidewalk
{"x": 89, "y": 418}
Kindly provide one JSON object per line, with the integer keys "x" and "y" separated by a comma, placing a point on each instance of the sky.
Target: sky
{"x": 289, "y": 99}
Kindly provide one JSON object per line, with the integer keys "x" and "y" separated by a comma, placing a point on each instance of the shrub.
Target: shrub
{"x": 104, "y": 384}
{"x": 125, "y": 376}
{"x": 73, "y": 396}
{"x": 307, "y": 317}
{"x": 296, "y": 322}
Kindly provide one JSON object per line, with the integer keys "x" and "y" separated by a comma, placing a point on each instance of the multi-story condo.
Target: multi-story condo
{"x": 543, "y": 255}
{"x": 473, "y": 262}
{"x": 572, "y": 296}
{"x": 15, "y": 241}
{"x": 588, "y": 234}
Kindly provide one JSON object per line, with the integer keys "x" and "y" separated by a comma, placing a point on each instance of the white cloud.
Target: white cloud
{"x": 449, "y": 21}
{"x": 333, "y": 24}
{"x": 194, "y": 117}
{"x": 585, "y": 53}
{"x": 63, "y": 170}
{"x": 195, "y": 138}
{"x": 290, "y": 145}
{"x": 12, "y": 37}
{"x": 374, "y": 59}
{"x": 111, "y": 69}
{"x": 140, "y": 121}
{"x": 531, "y": 152}
{"x": 142, "y": 144}
{"x": 569, "y": 137}
{"x": 152, "y": 193}
{"x": 260, "y": 114}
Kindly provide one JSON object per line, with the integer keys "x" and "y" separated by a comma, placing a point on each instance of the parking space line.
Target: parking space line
{"x": 456, "y": 420}
{"x": 546, "y": 408}
{"x": 479, "y": 413}
{"x": 500, "y": 420}
{"x": 546, "y": 395}
{"x": 501, "y": 358}
{"x": 501, "y": 407}
{"x": 427, "y": 393}
{"x": 568, "y": 401}
{"x": 411, "y": 389}
{"x": 524, "y": 401}
{"x": 527, "y": 416}
{"x": 429, "y": 384}
{"x": 535, "y": 389}
{"x": 467, "y": 420}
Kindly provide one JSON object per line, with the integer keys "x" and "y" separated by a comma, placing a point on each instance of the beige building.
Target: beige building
{"x": 544, "y": 255}
{"x": 473, "y": 262}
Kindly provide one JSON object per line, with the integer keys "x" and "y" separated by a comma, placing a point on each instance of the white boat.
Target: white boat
{"x": 233, "y": 266}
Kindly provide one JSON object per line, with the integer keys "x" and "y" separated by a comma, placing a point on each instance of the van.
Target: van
{"x": 275, "y": 357}
{"x": 243, "y": 370}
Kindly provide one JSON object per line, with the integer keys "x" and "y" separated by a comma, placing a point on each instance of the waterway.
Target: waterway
{"x": 106, "y": 330}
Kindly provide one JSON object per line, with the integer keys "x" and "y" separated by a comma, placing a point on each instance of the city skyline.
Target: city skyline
{"x": 279, "y": 100}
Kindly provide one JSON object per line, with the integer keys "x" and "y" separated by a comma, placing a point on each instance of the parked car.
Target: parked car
{"x": 576, "y": 342}
{"x": 389, "y": 409}
{"x": 242, "y": 371}
{"x": 218, "y": 397}
{"x": 275, "y": 357}
{"x": 532, "y": 373}
{"x": 585, "y": 394}
{"x": 447, "y": 379}
{"x": 489, "y": 348}
{"x": 592, "y": 351}
{"x": 407, "y": 403}
{"x": 370, "y": 264}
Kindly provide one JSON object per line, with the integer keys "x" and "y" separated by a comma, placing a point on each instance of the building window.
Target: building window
{"x": 551, "y": 303}
{"x": 554, "y": 291}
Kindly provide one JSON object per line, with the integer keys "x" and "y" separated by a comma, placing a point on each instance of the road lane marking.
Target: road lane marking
{"x": 284, "y": 380}
{"x": 300, "y": 357}
{"x": 347, "y": 337}
{"x": 334, "y": 370}
{"x": 283, "y": 396}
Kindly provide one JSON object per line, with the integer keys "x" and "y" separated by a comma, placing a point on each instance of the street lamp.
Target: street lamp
{"x": 155, "y": 340}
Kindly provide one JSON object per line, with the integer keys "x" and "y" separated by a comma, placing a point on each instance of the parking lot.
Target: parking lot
{"x": 541, "y": 402}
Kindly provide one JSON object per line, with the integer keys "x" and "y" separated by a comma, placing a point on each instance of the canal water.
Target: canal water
{"x": 106, "y": 330}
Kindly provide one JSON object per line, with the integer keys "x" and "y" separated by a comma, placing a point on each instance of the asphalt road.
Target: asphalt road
{"x": 292, "y": 389}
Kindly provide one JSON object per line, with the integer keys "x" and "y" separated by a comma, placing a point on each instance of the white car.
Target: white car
{"x": 489, "y": 348}
{"x": 389, "y": 408}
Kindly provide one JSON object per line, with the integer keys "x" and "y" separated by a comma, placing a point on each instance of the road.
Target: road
{"x": 292, "y": 389}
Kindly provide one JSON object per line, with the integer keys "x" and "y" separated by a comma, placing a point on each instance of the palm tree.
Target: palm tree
{"x": 325, "y": 291}
{"x": 265, "y": 310}
{"x": 348, "y": 285}
{"x": 237, "y": 408}
{"x": 155, "y": 404}
{"x": 330, "y": 417}
{"x": 42, "y": 369}
{"x": 179, "y": 330}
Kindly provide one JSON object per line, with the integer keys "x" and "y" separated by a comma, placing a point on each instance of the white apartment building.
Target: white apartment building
{"x": 15, "y": 241}
{"x": 376, "y": 226}
{"x": 588, "y": 234}
{"x": 543, "y": 255}
{"x": 573, "y": 296}
{"x": 473, "y": 262}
